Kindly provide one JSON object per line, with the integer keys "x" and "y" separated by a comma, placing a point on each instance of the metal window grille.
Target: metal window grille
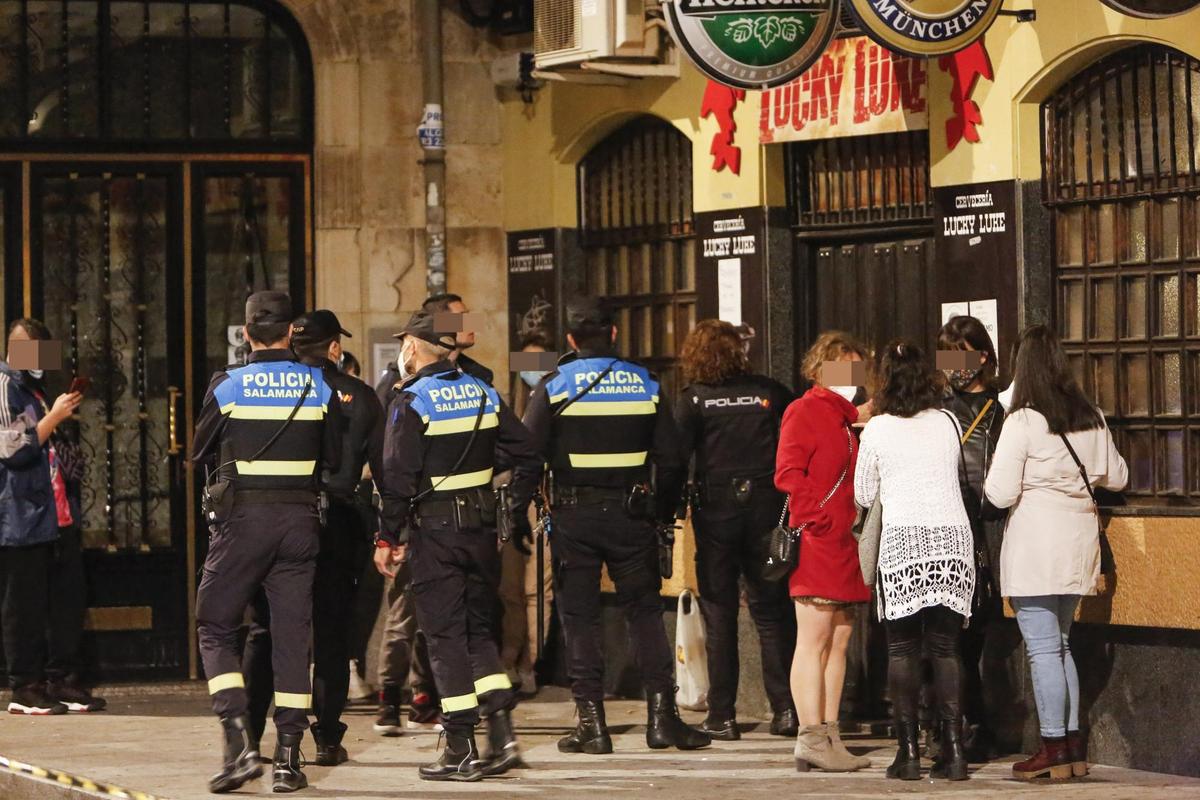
{"x": 1120, "y": 152}
{"x": 635, "y": 219}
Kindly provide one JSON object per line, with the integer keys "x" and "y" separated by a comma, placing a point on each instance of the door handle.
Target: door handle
{"x": 173, "y": 446}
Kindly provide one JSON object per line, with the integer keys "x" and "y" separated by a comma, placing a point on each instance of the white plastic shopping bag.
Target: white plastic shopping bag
{"x": 691, "y": 667}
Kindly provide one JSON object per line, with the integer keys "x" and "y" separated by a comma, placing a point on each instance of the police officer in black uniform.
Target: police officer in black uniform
{"x": 729, "y": 423}
{"x": 345, "y": 545}
{"x": 446, "y": 431}
{"x": 602, "y": 424}
{"x": 270, "y": 426}
{"x": 443, "y": 303}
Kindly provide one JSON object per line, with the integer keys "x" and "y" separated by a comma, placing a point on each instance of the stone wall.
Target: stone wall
{"x": 367, "y": 182}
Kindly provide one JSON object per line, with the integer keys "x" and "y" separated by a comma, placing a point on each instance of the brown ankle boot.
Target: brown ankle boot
{"x": 1052, "y": 761}
{"x": 1077, "y": 750}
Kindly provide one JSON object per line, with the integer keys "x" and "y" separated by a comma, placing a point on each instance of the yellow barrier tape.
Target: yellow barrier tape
{"x": 67, "y": 779}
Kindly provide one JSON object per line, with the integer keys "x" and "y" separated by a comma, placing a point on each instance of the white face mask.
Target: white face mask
{"x": 847, "y": 392}
{"x": 36, "y": 374}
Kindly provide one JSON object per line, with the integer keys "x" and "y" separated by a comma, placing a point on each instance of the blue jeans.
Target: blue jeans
{"x": 1045, "y": 624}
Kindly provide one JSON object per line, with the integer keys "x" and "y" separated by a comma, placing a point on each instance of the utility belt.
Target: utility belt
{"x": 637, "y": 500}
{"x": 475, "y": 508}
{"x": 736, "y": 490}
{"x": 220, "y": 497}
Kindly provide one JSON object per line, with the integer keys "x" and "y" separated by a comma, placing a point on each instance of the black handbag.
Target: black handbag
{"x": 987, "y": 589}
{"x": 783, "y": 547}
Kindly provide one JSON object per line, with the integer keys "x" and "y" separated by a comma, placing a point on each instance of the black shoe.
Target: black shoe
{"x": 907, "y": 766}
{"x": 287, "y": 775}
{"x": 665, "y": 729}
{"x": 459, "y": 761}
{"x": 591, "y": 733}
{"x": 34, "y": 701}
{"x": 387, "y": 720}
{"x": 241, "y": 757}
{"x": 423, "y": 714}
{"x": 952, "y": 765}
{"x": 76, "y": 698}
{"x": 330, "y": 752}
{"x": 724, "y": 729}
{"x": 784, "y": 723}
{"x": 979, "y": 745}
{"x": 503, "y": 752}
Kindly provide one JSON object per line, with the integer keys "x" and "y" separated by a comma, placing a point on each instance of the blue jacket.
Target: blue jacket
{"x": 27, "y": 512}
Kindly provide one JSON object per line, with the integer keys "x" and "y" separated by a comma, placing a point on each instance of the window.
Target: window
{"x": 635, "y": 217}
{"x": 1122, "y": 142}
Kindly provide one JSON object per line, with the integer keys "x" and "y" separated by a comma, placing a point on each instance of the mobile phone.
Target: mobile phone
{"x": 80, "y": 384}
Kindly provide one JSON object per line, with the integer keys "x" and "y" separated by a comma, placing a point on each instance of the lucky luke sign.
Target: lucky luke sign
{"x": 752, "y": 44}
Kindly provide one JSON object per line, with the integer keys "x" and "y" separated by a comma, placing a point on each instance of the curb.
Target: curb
{"x": 21, "y": 781}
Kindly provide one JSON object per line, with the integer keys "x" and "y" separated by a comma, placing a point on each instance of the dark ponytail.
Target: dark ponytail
{"x": 904, "y": 383}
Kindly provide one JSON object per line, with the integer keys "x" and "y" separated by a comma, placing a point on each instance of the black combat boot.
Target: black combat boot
{"x": 664, "y": 728}
{"x": 241, "y": 757}
{"x": 591, "y": 734}
{"x": 287, "y": 774}
{"x": 720, "y": 727}
{"x": 330, "y": 752}
{"x": 953, "y": 763}
{"x": 503, "y": 752}
{"x": 907, "y": 766}
{"x": 459, "y": 761}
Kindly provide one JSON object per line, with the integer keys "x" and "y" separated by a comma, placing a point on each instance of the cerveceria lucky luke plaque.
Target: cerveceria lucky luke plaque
{"x": 752, "y": 44}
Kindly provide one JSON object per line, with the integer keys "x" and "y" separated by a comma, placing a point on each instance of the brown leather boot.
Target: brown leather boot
{"x": 1077, "y": 744}
{"x": 1052, "y": 761}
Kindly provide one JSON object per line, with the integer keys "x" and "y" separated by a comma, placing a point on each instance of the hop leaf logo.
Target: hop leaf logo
{"x": 766, "y": 29}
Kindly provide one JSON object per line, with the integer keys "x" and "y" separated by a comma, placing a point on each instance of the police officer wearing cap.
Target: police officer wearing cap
{"x": 346, "y": 537}
{"x": 446, "y": 432}
{"x": 269, "y": 429}
{"x": 729, "y": 422}
{"x": 602, "y": 424}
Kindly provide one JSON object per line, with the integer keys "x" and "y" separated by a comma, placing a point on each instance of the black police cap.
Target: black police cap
{"x": 588, "y": 312}
{"x": 265, "y": 308}
{"x": 316, "y": 327}
{"x": 421, "y": 326}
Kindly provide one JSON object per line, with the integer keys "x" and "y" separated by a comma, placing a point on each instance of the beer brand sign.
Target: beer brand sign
{"x": 856, "y": 88}
{"x": 925, "y": 27}
{"x": 1152, "y": 9}
{"x": 752, "y": 44}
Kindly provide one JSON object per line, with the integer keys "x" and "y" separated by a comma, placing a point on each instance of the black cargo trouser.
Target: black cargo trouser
{"x": 455, "y": 579}
{"x": 585, "y": 537}
{"x": 731, "y": 541}
{"x": 339, "y": 566}
{"x": 272, "y": 546}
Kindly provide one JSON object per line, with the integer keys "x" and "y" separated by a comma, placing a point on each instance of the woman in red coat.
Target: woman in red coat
{"x": 817, "y": 450}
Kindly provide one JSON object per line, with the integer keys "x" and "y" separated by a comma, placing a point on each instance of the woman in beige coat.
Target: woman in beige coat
{"x": 1051, "y": 551}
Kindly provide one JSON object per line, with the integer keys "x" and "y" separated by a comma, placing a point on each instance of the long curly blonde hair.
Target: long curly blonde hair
{"x": 713, "y": 353}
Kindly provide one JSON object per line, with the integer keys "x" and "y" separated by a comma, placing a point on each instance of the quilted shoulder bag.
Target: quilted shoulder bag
{"x": 783, "y": 549}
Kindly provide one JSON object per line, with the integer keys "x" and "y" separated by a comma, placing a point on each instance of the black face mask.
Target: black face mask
{"x": 961, "y": 379}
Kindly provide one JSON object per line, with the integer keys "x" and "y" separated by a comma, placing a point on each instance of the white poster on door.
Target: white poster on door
{"x": 729, "y": 290}
{"x": 982, "y": 310}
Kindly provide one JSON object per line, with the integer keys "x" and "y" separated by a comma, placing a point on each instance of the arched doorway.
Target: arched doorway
{"x": 636, "y": 229}
{"x": 1121, "y": 148}
{"x": 155, "y": 169}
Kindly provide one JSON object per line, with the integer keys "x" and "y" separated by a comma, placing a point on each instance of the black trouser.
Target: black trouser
{"x": 731, "y": 540}
{"x": 25, "y": 611}
{"x": 339, "y": 565}
{"x": 586, "y": 537}
{"x": 936, "y": 631}
{"x": 455, "y": 577}
{"x": 272, "y": 546}
{"x": 68, "y": 604}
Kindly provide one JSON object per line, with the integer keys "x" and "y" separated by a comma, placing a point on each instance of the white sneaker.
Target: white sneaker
{"x": 360, "y": 691}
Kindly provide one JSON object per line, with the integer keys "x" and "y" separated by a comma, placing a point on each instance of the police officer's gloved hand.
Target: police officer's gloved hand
{"x": 522, "y": 532}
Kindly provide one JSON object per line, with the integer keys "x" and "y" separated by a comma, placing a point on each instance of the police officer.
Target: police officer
{"x": 434, "y": 305}
{"x": 446, "y": 431}
{"x": 729, "y": 424}
{"x": 269, "y": 426}
{"x": 603, "y": 426}
{"x": 345, "y": 543}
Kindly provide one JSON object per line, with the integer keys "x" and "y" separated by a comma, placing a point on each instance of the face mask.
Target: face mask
{"x": 36, "y": 374}
{"x": 961, "y": 379}
{"x": 848, "y": 393}
{"x": 531, "y": 377}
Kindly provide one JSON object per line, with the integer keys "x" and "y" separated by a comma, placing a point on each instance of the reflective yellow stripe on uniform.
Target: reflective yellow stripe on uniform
{"x": 611, "y": 408}
{"x": 467, "y": 480}
{"x": 306, "y": 413}
{"x": 290, "y": 700}
{"x": 490, "y": 683}
{"x": 607, "y": 460}
{"x": 442, "y": 427}
{"x": 463, "y": 702}
{"x": 226, "y": 680}
{"x": 276, "y": 467}
{"x": 558, "y": 398}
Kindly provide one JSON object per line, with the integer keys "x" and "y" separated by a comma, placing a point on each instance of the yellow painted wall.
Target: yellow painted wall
{"x": 1030, "y": 60}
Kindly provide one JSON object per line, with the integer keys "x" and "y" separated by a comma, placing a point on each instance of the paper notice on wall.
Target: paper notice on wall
{"x": 982, "y": 310}
{"x": 589, "y": 8}
{"x": 952, "y": 310}
{"x": 729, "y": 290}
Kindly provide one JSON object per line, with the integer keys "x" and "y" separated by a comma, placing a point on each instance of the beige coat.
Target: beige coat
{"x": 1051, "y": 541}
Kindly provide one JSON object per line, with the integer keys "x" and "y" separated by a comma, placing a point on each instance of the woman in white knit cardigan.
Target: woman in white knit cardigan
{"x": 909, "y": 457}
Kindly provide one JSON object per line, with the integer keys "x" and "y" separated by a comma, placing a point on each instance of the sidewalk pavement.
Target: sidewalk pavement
{"x": 161, "y": 739}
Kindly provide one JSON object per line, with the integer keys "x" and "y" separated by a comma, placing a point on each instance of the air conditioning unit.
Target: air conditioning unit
{"x": 575, "y": 33}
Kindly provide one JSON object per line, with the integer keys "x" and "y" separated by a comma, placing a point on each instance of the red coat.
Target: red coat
{"x": 812, "y": 453}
